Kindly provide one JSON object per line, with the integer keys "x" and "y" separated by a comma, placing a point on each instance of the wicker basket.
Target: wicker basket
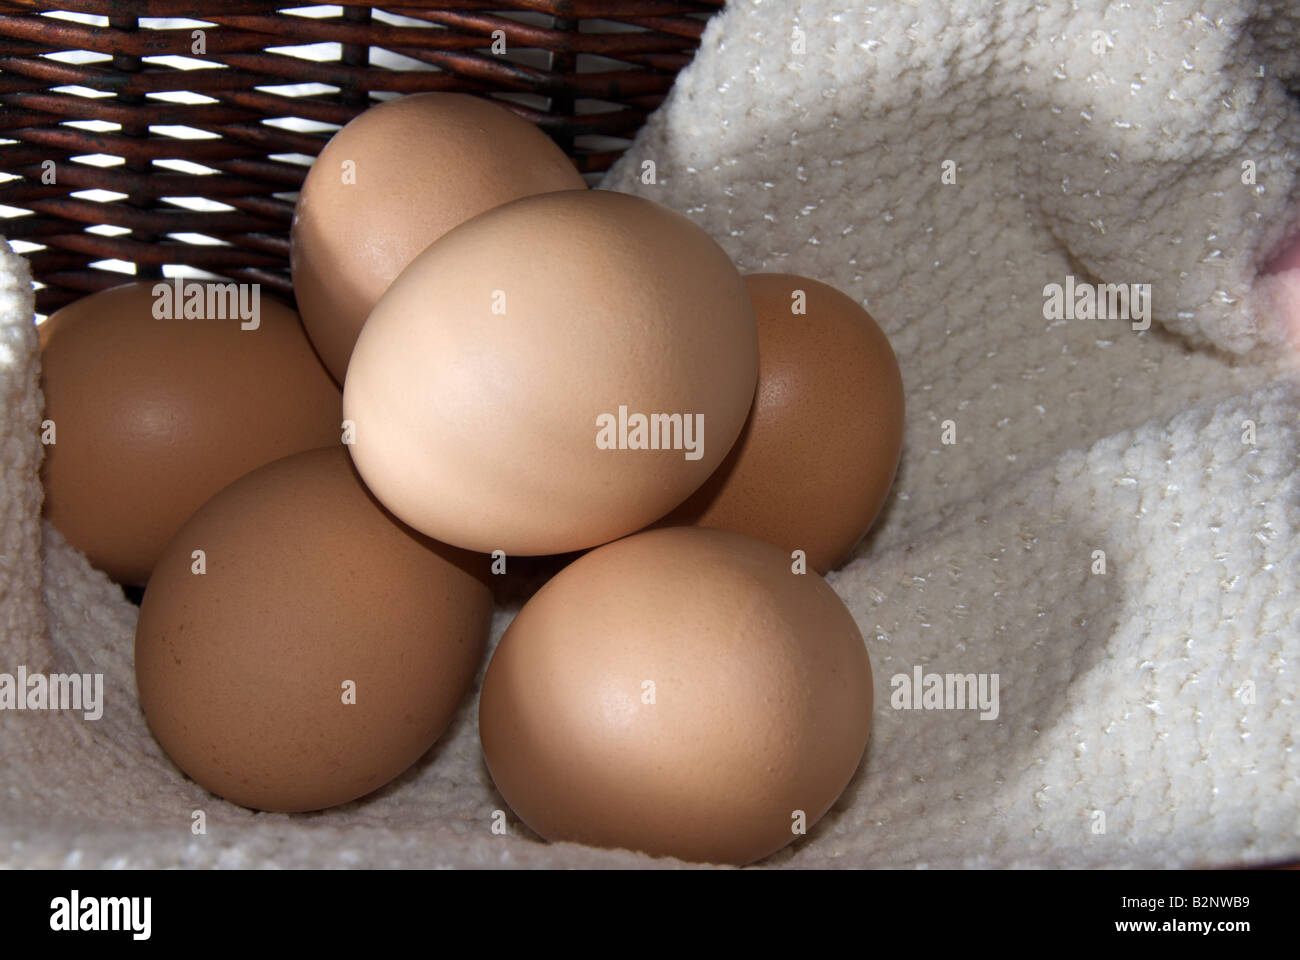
{"x": 143, "y": 134}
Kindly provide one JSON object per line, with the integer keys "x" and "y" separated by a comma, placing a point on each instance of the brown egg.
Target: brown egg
{"x": 818, "y": 455}
{"x": 152, "y": 416}
{"x": 542, "y": 397}
{"x": 679, "y": 692}
{"x": 391, "y": 182}
{"x": 324, "y": 649}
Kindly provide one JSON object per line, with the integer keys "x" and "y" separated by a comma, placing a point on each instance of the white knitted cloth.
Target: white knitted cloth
{"x": 1157, "y": 700}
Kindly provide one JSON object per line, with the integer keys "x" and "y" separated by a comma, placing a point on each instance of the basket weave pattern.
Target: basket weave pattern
{"x": 235, "y": 125}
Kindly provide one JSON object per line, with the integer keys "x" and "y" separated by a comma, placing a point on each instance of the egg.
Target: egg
{"x": 679, "y": 692}
{"x": 149, "y": 413}
{"x": 392, "y": 181}
{"x": 556, "y": 373}
{"x": 298, "y": 647}
{"x": 820, "y": 449}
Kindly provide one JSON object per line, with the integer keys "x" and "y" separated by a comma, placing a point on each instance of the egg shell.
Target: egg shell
{"x": 393, "y": 180}
{"x": 310, "y": 585}
{"x": 480, "y": 381}
{"x": 153, "y": 416}
{"x": 819, "y": 452}
{"x": 679, "y": 692}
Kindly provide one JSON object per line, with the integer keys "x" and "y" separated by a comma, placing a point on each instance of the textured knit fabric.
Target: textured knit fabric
{"x": 942, "y": 163}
